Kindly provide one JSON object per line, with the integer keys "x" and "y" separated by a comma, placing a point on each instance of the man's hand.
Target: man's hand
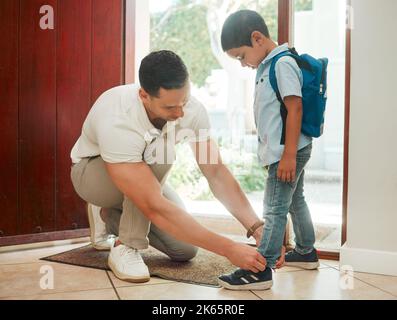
{"x": 281, "y": 260}
{"x": 246, "y": 257}
{"x": 286, "y": 171}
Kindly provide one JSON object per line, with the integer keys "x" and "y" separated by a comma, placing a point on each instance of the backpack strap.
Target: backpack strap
{"x": 273, "y": 81}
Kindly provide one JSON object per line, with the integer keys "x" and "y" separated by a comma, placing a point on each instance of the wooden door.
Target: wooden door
{"x": 49, "y": 80}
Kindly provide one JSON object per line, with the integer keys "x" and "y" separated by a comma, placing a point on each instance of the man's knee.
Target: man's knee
{"x": 183, "y": 253}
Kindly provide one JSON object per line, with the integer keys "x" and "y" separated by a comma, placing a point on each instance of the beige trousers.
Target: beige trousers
{"x": 93, "y": 184}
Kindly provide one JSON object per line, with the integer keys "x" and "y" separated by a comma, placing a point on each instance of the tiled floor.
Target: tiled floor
{"x": 22, "y": 276}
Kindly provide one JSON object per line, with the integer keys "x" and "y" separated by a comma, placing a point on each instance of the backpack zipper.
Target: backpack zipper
{"x": 322, "y": 77}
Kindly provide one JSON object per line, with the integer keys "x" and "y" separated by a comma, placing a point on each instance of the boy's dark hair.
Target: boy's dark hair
{"x": 238, "y": 28}
{"x": 162, "y": 69}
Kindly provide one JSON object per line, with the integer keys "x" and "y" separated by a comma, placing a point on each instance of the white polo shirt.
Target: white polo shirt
{"x": 118, "y": 129}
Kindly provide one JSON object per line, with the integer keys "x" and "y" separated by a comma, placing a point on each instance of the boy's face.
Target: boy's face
{"x": 251, "y": 57}
{"x": 247, "y": 56}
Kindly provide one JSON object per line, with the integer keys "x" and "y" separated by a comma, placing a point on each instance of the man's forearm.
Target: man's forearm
{"x": 228, "y": 191}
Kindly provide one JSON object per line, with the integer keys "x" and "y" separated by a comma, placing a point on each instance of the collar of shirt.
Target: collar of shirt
{"x": 143, "y": 115}
{"x": 275, "y": 52}
{"x": 270, "y": 56}
{"x": 169, "y": 126}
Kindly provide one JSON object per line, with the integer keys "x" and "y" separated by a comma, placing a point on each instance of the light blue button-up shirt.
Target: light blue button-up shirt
{"x": 267, "y": 108}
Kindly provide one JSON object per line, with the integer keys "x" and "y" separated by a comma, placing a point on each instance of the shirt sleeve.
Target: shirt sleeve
{"x": 289, "y": 77}
{"x": 201, "y": 124}
{"x": 119, "y": 144}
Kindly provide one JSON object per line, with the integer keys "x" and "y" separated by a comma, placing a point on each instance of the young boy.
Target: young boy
{"x": 245, "y": 37}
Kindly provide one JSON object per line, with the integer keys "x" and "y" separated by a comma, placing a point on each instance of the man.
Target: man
{"x": 121, "y": 161}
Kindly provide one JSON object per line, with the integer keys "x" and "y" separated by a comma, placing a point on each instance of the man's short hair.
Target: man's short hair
{"x": 162, "y": 69}
{"x": 238, "y": 28}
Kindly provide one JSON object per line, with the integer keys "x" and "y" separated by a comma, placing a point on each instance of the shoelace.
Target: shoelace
{"x": 132, "y": 254}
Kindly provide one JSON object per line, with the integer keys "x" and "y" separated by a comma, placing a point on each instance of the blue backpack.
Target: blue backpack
{"x": 314, "y": 92}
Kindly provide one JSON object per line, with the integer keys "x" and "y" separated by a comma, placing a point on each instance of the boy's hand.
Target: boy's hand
{"x": 281, "y": 259}
{"x": 287, "y": 168}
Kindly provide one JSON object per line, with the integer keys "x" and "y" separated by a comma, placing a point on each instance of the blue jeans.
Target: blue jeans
{"x": 281, "y": 198}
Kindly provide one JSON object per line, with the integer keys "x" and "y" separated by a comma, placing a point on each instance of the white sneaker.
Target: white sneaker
{"x": 127, "y": 264}
{"x": 100, "y": 239}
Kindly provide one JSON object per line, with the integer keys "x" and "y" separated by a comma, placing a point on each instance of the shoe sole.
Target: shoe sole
{"x": 92, "y": 230}
{"x": 100, "y": 248}
{"x": 249, "y": 286}
{"x": 125, "y": 277}
{"x": 303, "y": 265}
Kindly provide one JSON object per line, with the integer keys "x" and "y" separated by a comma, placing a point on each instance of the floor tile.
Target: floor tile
{"x": 104, "y": 294}
{"x": 320, "y": 284}
{"x": 330, "y": 263}
{"x": 27, "y": 279}
{"x": 293, "y": 269}
{"x": 120, "y": 283}
{"x": 181, "y": 291}
{"x": 386, "y": 283}
{"x": 20, "y": 279}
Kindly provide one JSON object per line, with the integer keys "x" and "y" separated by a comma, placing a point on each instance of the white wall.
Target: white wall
{"x": 372, "y": 202}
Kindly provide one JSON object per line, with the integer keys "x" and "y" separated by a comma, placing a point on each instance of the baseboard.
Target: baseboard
{"x": 43, "y": 237}
{"x": 369, "y": 261}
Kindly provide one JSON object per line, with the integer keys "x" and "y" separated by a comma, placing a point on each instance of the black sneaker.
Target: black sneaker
{"x": 307, "y": 261}
{"x": 247, "y": 280}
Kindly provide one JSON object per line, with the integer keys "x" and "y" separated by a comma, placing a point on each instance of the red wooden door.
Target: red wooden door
{"x": 48, "y": 82}
{"x": 9, "y": 47}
